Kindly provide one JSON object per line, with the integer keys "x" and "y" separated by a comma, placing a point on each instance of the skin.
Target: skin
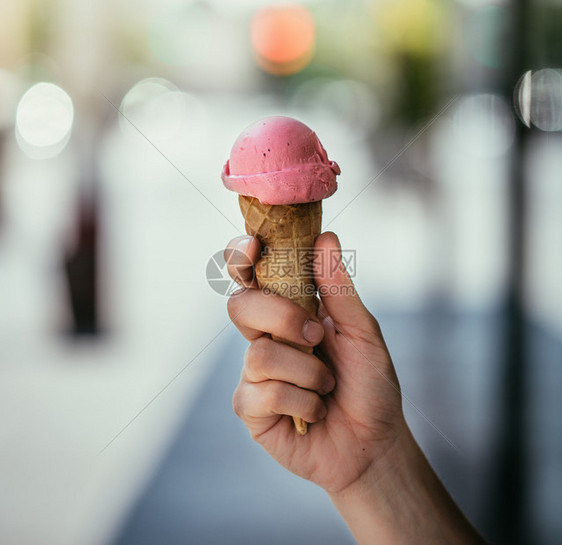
{"x": 358, "y": 448}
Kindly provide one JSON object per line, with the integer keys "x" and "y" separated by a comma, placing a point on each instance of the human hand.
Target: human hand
{"x": 348, "y": 389}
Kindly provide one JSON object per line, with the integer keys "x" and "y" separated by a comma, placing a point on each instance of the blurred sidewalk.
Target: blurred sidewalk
{"x": 215, "y": 485}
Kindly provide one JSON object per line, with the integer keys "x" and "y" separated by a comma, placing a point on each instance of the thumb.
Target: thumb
{"x": 336, "y": 290}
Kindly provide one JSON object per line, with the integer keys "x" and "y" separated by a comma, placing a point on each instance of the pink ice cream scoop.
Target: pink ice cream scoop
{"x": 280, "y": 160}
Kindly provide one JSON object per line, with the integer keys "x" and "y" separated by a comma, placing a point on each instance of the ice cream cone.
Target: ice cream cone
{"x": 281, "y": 173}
{"x": 287, "y": 234}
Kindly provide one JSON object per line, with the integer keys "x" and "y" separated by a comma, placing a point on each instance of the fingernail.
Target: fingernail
{"x": 312, "y": 332}
{"x": 330, "y": 384}
{"x": 243, "y": 244}
{"x": 237, "y": 255}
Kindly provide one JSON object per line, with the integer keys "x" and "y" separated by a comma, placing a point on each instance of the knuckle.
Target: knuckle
{"x": 258, "y": 351}
{"x": 233, "y": 306}
{"x": 273, "y": 397}
{"x": 238, "y": 402}
{"x": 256, "y": 358}
{"x": 289, "y": 318}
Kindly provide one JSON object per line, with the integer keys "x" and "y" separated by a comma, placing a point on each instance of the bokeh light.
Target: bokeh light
{"x": 158, "y": 109}
{"x": 484, "y": 125}
{"x": 538, "y": 99}
{"x": 283, "y": 38}
{"x": 44, "y": 118}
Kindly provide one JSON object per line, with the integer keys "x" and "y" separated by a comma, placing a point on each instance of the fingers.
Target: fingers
{"x": 255, "y": 313}
{"x": 269, "y": 360}
{"x": 339, "y": 297}
{"x": 260, "y": 400}
{"x": 241, "y": 254}
{"x": 277, "y": 380}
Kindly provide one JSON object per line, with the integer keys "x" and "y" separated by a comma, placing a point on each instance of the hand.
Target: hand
{"x": 358, "y": 448}
{"x": 348, "y": 390}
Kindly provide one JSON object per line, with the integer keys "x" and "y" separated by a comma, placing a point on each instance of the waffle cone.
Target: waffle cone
{"x": 287, "y": 234}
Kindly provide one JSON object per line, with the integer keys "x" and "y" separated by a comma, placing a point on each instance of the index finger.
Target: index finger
{"x": 241, "y": 254}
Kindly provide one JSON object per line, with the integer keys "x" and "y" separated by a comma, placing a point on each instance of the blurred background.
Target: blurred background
{"x": 117, "y": 358}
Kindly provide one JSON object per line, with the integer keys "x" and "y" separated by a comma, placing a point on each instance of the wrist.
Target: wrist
{"x": 399, "y": 499}
{"x": 367, "y": 503}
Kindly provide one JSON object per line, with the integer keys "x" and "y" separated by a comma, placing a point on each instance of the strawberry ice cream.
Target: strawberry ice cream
{"x": 280, "y": 160}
